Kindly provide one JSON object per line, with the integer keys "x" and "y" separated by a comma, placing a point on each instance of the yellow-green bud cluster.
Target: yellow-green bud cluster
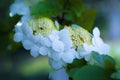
{"x": 79, "y": 36}
{"x": 43, "y": 26}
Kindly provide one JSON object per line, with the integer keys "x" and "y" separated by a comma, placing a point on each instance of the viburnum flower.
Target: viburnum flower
{"x": 97, "y": 43}
{"x": 44, "y": 37}
{"x": 40, "y": 36}
{"x": 84, "y": 42}
{"x": 79, "y": 36}
{"x": 59, "y": 75}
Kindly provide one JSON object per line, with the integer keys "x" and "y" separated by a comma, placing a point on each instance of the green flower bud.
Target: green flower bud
{"x": 79, "y": 36}
{"x": 43, "y": 26}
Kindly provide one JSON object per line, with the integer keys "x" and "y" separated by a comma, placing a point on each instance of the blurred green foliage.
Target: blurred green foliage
{"x": 7, "y": 45}
{"x": 34, "y": 66}
{"x": 67, "y": 12}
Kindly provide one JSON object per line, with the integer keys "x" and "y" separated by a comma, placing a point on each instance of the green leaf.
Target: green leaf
{"x": 103, "y": 61}
{"x": 87, "y": 19}
{"x": 97, "y": 59}
{"x": 69, "y": 16}
{"x": 109, "y": 62}
{"x": 90, "y": 72}
{"x": 72, "y": 72}
{"x": 72, "y": 68}
{"x": 76, "y": 64}
{"x": 46, "y": 8}
{"x": 79, "y": 15}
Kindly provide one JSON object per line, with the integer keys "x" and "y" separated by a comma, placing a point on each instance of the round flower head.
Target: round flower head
{"x": 33, "y": 33}
{"x": 79, "y": 36}
{"x": 43, "y": 26}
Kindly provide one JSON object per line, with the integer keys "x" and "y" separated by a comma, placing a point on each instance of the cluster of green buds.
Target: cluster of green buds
{"x": 42, "y": 25}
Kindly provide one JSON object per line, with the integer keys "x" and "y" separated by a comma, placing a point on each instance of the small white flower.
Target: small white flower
{"x": 58, "y": 46}
{"x": 39, "y": 39}
{"x": 54, "y": 35}
{"x": 27, "y": 44}
{"x": 65, "y": 38}
{"x": 34, "y": 51}
{"x": 56, "y": 64}
{"x": 69, "y": 56}
{"x": 59, "y": 75}
{"x": 47, "y": 42}
{"x": 19, "y": 8}
{"x": 43, "y": 51}
{"x": 97, "y": 45}
{"x": 18, "y": 37}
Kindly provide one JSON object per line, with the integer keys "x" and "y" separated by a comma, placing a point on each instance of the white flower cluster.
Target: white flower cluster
{"x": 57, "y": 45}
{"x": 61, "y": 46}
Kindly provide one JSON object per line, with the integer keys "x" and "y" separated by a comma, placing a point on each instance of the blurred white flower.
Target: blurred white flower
{"x": 25, "y": 35}
{"x": 56, "y": 65}
{"x": 19, "y": 8}
{"x": 57, "y": 45}
{"x": 59, "y": 75}
{"x": 97, "y": 43}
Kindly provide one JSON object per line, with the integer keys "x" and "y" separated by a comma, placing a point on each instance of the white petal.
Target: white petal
{"x": 57, "y": 24}
{"x": 43, "y": 51}
{"x": 19, "y": 8}
{"x": 34, "y": 51}
{"x": 97, "y": 41}
{"x": 19, "y": 24}
{"x": 104, "y": 49}
{"x": 54, "y": 35}
{"x": 39, "y": 39}
{"x": 87, "y": 57}
{"x": 27, "y": 44}
{"x": 75, "y": 26}
{"x": 65, "y": 38}
{"x": 69, "y": 56}
{"x": 50, "y": 53}
{"x": 56, "y": 56}
{"x": 87, "y": 47}
{"x": 56, "y": 64}
{"x": 27, "y": 30}
{"x": 58, "y": 46}
{"x": 60, "y": 75}
{"x": 18, "y": 28}
{"x": 11, "y": 14}
{"x": 18, "y": 37}
{"x": 83, "y": 54}
{"x": 47, "y": 42}
{"x": 96, "y": 32}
